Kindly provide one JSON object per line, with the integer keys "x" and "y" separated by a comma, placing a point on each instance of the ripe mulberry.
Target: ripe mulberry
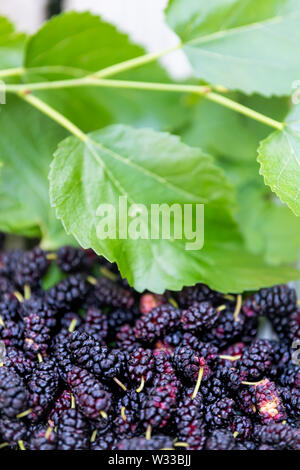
{"x": 43, "y": 439}
{"x": 13, "y": 393}
{"x": 119, "y": 317}
{"x": 128, "y": 414}
{"x": 104, "y": 442}
{"x": 278, "y": 300}
{"x": 91, "y": 397}
{"x": 291, "y": 376}
{"x": 220, "y": 413}
{"x": 31, "y": 267}
{"x": 13, "y": 430}
{"x": 220, "y": 439}
{"x": 63, "y": 402}
{"x": 43, "y": 387}
{"x": 141, "y": 365}
{"x": 96, "y": 324}
{"x": 256, "y": 360}
{"x": 6, "y": 286}
{"x": 101, "y": 361}
{"x": 37, "y": 306}
{"x": 62, "y": 355}
{"x": 11, "y": 333}
{"x": 188, "y": 363}
{"x": 198, "y": 293}
{"x": 16, "y": 359}
{"x": 294, "y": 326}
{"x": 226, "y": 331}
{"x": 9, "y": 261}
{"x": 108, "y": 293}
{"x": 165, "y": 373}
{"x": 291, "y": 400}
{"x": 213, "y": 389}
{"x": 160, "y": 406}
{"x": 126, "y": 340}
{"x": 170, "y": 341}
{"x": 190, "y": 427}
{"x": 268, "y": 402}
{"x": 9, "y": 307}
{"x": 280, "y": 436}
{"x": 207, "y": 350}
{"x": 68, "y": 293}
{"x": 36, "y": 336}
{"x": 198, "y": 316}
{"x": 242, "y": 427}
{"x": 70, "y": 259}
{"x": 72, "y": 431}
{"x": 155, "y": 324}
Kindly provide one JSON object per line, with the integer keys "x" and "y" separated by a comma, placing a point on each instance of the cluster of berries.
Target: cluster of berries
{"x": 91, "y": 364}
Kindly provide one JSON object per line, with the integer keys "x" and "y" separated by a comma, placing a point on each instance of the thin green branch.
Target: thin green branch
{"x": 53, "y": 85}
{"x": 106, "y": 72}
{"x": 239, "y": 108}
{"x": 133, "y": 63}
{"x": 106, "y": 83}
{"x": 205, "y": 91}
{"x": 54, "y": 115}
{"x": 11, "y": 72}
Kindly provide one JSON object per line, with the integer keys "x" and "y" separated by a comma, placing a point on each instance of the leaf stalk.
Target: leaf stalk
{"x": 25, "y": 92}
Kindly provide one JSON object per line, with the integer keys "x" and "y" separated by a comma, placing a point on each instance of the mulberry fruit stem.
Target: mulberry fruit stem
{"x": 173, "y": 302}
{"x": 140, "y": 388}
{"x": 92, "y": 280}
{"x": 103, "y": 414}
{"x": 51, "y": 256}
{"x": 148, "y": 432}
{"x": 120, "y": 384}
{"x": 221, "y": 308}
{"x": 230, "y": 358}
{"x": 2, "y": 322}
{"x": 198, "y": 383}
{"x": 40, "y": 357}
{"x": 3, "y": 444}
{"x": 24, "y": 413}
{"x": 181, "y": 444}
{"x": 238, "y": 306}
{"x": 21, "y": 445}
{"x": 19, "y": 296}
{"x": 94, "y": 435}
{"x": 123, "y": 414}
{"x": 48, "y": 432}
{"x": 27, "y": 291}
{"x": 72, "y": 325}
{"x": 107, "y": 273}
{"x": 229, "y": 297}
{"x": 73, "y": 404}
{"x": 253, "y": 383}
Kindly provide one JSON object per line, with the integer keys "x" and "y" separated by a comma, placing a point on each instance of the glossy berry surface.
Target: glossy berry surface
{"x": 91, "y": 364}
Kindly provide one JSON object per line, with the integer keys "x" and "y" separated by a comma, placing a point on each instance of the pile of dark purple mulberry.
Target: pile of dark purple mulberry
{"x": 92, "y": 364}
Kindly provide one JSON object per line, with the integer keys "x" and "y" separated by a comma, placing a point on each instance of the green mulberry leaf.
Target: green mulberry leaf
{"x": 246, "y": 45}
{"x": 268, "y": 226}
{"x": 279, "y": 158}
{"x": 28, "y": 140}
{"x": 11, "y": 45}
{"x": 154, "y": 168}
